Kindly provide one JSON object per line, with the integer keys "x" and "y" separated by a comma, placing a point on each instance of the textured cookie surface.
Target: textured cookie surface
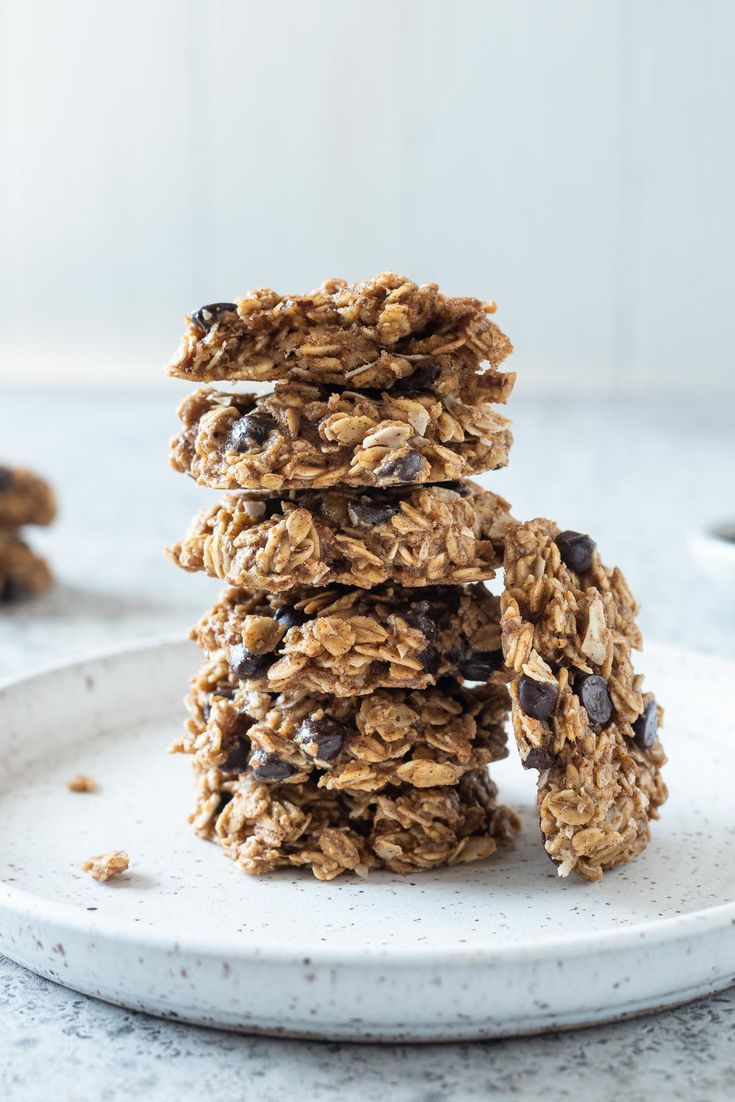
{"x": 405, "y": 829}
{"x": 24, "y": 498}
{"x": 580, "y": 715}
{"x": 423, "y": 738}
{"x": 421, "y": 536}
{"x": 302, "y": 437}
{"x": 345, "y": 642}
{"x": 384, "y": 333}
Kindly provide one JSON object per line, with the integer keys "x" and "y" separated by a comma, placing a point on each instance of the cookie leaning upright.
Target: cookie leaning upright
{"x": 580, "y": 715}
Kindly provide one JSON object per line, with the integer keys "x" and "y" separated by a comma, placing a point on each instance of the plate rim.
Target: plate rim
{"x": 20, "y": 901}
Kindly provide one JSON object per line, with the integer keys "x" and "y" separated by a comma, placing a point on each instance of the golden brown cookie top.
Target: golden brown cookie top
{"x": 379, "y": 333}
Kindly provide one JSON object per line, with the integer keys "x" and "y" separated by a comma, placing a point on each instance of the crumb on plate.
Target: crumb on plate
{"x": 106, "y": 866}
{"x": 81, "y": 782}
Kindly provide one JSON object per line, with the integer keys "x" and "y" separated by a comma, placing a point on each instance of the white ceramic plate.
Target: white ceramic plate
{"x": 487, "y": 950}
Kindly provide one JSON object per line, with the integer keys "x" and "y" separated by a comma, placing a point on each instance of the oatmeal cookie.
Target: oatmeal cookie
{"x": 385, "y": 333}
{"x": 423, "y": 739}
{"x": 268, "y": 826}
{"x": 301, "y": 437}
{"x": 353, "y": 641}
{"x": 23, "y": 573}
{"x": 580, "y": 715}
{"x": 428, "y": 535}
{"x": 24, "y": 499}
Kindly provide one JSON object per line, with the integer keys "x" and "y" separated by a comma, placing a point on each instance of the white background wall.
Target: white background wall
{"x": 574, "y": 159}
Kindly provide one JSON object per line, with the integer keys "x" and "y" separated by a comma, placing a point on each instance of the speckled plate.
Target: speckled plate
{"x": 494, "y": 949}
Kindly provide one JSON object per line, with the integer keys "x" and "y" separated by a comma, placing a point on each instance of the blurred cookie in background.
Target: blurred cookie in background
{"x": 24, "y": 499}
{"x": 23, "y": 573}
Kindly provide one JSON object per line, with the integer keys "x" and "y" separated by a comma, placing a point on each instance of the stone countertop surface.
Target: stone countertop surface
{"x": 640, "y": 477}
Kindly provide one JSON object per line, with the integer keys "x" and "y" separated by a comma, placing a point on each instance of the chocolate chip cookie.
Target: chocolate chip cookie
{"x": 386, "y": 333}
{"x": 580, "y": 714}
{"x": 24, "y": 498}
{"x": 423, "y": 738}
{"x": 414, "y": 536}
{"x": 348, "y": 642}
{"x": 303, "y": 437}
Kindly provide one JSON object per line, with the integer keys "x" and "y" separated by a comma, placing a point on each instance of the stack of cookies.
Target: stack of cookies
{"x": 353, "y": 692}
{"x": 357, "y": 672}
{"x": 24, "y": 499}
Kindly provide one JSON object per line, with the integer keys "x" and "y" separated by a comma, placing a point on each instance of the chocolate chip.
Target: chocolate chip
{"x": 419, "y": 618}
{"x": 268, "y": 767}
{"x": 456, "y": 487}
{"x": 245, "y": 663}
{"x": 6, "y": 478}
{"x": 405, "y": 468}
{"x": 273, "y": 506}
{"x": 423, "y": 377}
{"x": 429, "y": 659}
{"x": 205, "y": 317}
{"x": 576, "y": 550}
{"x": 537, "y": 698}
{"x": 593, "y": 693}
{"x": 449, "y": 596}
{"x": 478, "y": 665}
{"x": 289, "y": 617}
{"x": 447, "y": 684}
{"x": 251, "y": 431}
{"x": 238, "y": 755}
{"x": 326, "y": 735}
{"x": 227, "y": 691}
{"x": 645, "y": 727}
{"x": 536, "y": 758}
{"x": 370, "y": 512}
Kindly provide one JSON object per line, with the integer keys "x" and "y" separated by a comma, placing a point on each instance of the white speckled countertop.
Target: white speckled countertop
{"x": 638, "y": 477}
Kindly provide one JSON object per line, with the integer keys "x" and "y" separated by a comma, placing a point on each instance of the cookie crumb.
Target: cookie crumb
{"x": 82, "y": 783}
{"x": 106, "y": 866}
